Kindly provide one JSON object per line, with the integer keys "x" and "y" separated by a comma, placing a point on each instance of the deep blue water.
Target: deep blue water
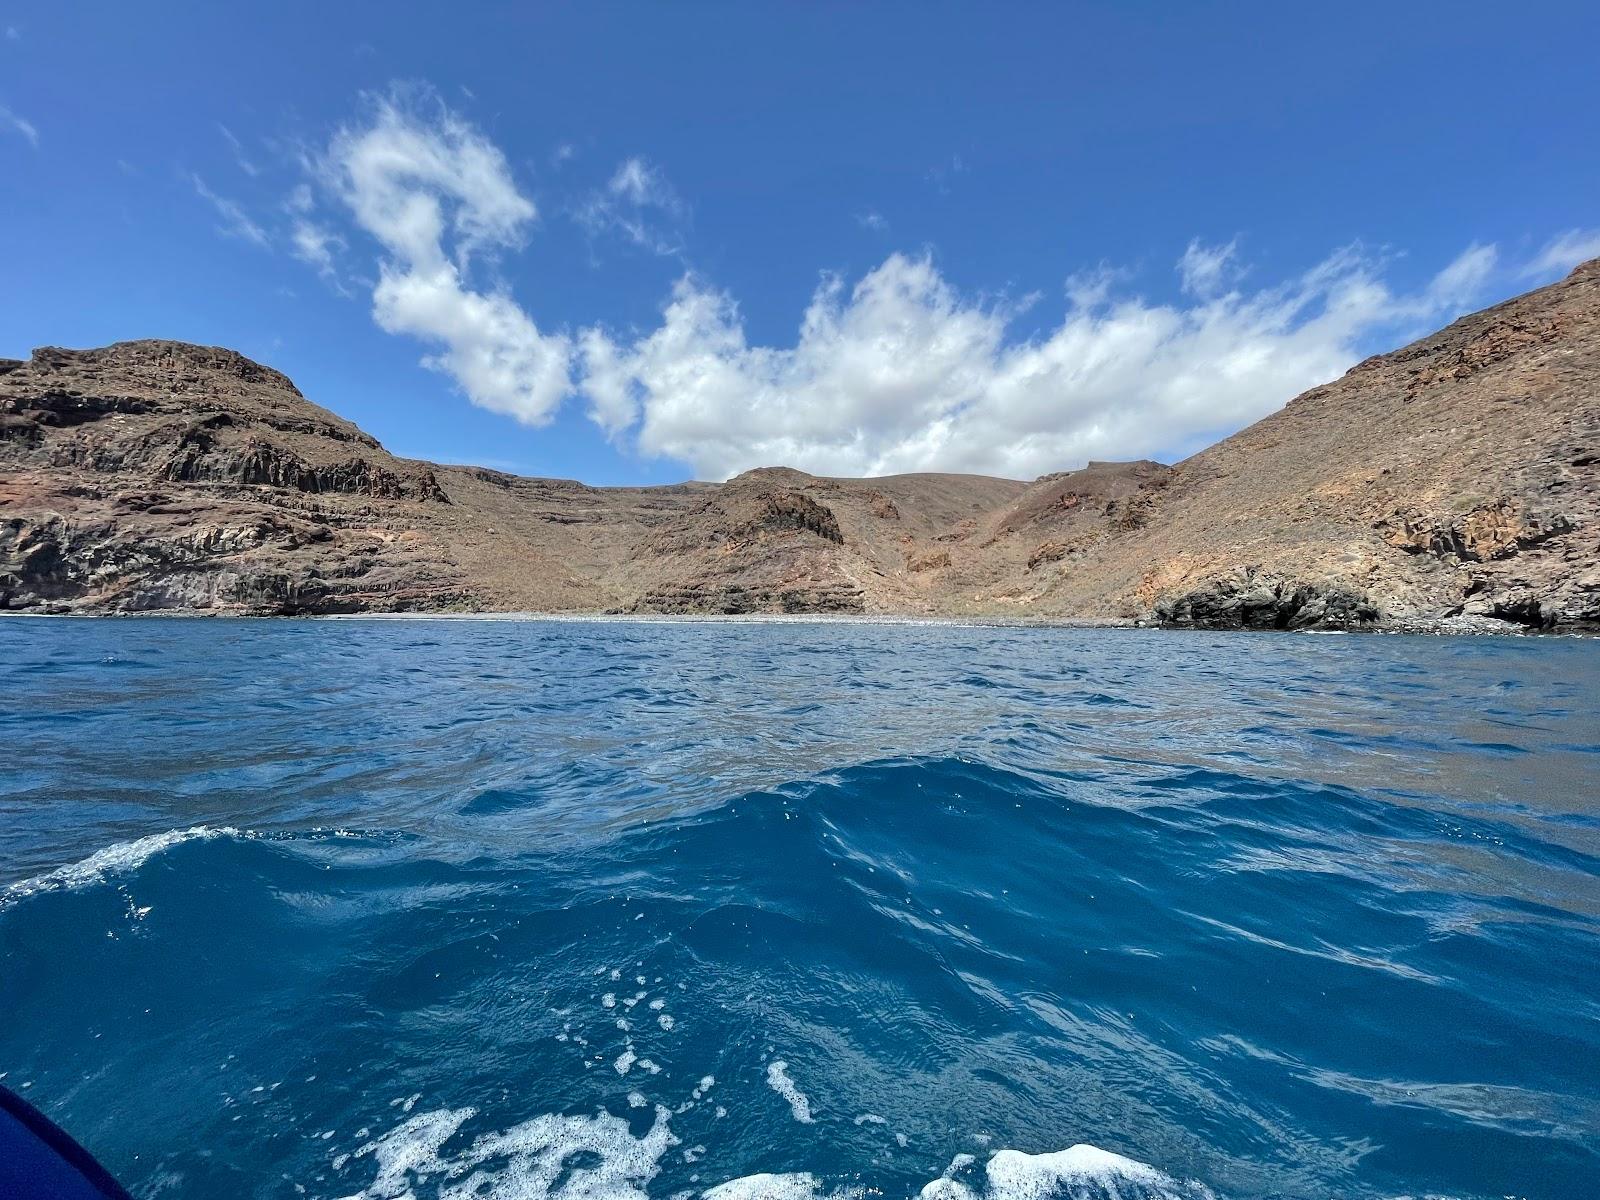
{"x": 530, "y": 909}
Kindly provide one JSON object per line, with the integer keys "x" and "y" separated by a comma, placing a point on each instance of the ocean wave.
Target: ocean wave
{"x": 115, "y": 859}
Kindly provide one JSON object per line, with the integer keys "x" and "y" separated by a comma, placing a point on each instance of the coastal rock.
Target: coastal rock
{"x": 730, "y": 599}
{"x": 1253, "y": 600}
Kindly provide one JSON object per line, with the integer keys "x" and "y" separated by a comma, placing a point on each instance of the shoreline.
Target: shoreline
{"x": 1413, "y": 626}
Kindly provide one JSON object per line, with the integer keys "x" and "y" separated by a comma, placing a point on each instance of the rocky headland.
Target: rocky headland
{"x": 1454, "y": 480}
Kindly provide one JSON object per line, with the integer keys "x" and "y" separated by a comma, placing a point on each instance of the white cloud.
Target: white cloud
{"x": 638, "y": 203}
{"x": 312, "y": 242}
{"x": 901, "y": 373}
{"x": 636, "y": 182}
{"x": 873, "y": 220}
{"x": 1462, "y": 281}
{"x": 316, "y": 246}
{"x": 21, "y": 125}
{"x": 1562, "y": 253}
{"x": 613, "y": 404}
{"x": 1204, "y": 271}
{"x": 896, "y": 371}
{"x": 239, "y": 155}
{"x": 439, "y": 198}
{"x": 235, "y": 221}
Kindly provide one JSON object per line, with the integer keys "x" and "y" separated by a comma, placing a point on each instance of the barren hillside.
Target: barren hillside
{"x": 1459, "y": 475}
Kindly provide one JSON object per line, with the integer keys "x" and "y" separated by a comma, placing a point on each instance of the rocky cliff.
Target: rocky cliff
{"x": 1456, "y": 478}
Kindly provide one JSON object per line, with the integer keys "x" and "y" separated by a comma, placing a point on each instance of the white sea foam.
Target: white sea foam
{"x": 116, "y": 859}
{"x": 599, "y": 1158}
{"x": 546, "y": 1158}
{"x": 408, "y": 1149}
{"x": 778, "y": 1080}
{"x": 1081, "y": 1172}
{"x": 797, "y": 1186}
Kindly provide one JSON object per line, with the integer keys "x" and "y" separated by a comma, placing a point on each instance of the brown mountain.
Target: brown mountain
{"x": 1455, "y": 479}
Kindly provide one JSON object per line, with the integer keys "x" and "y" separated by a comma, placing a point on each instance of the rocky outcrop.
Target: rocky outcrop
{"x": 260, "y": 563}
{"x": 788, "y": 509}
{"x": 759, "y": 543}
{"x": 1252, "y": 600}
{"x": 1488, "y": 533}
{"x": 732, "y": 599}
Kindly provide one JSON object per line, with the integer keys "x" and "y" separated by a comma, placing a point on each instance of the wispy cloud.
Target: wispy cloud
{"x": 639, "y": 204}
{"x": 317, "y": 246}
{"x": 239, "y": 155}
{"x": 1206, "y": 271}
{"x": 1563, "y": 252}
{"x": 941, "y": 175}
{"x": 18, "y": 124}
{"x": 873, "y": 220}
{"x": 235, "y": 221}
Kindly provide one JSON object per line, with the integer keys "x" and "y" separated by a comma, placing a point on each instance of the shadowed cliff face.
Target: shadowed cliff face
{"x": 1456, "y": 477}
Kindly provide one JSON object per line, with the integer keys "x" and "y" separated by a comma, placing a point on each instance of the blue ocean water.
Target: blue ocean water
{"x": 613, "y": 909}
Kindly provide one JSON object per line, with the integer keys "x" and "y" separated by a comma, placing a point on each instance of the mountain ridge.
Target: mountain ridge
{"x": 1454, "y": 479}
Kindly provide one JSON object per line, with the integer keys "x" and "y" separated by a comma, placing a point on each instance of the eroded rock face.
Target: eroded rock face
{"x": 788, "y": 509}
{"x": 155, "y": 475}
{"x": 731, "y": 599}
{"x": 1252, "y": 600}
{"x": 758, "y": 544}
{"x": 1487, "y": 533}
{"x": 934, "y": 560}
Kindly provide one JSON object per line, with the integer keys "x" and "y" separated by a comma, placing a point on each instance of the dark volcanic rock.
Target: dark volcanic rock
{"x": 731, "y": 599}
{"x": 788, "y": 509}
{"x": 1250, "y": 600}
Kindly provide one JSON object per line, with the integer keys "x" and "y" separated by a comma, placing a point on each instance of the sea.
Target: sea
{"x": 548, "y": 910}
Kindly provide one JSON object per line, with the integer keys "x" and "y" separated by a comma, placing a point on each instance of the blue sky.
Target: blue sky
{"x": 638, "y": 243}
